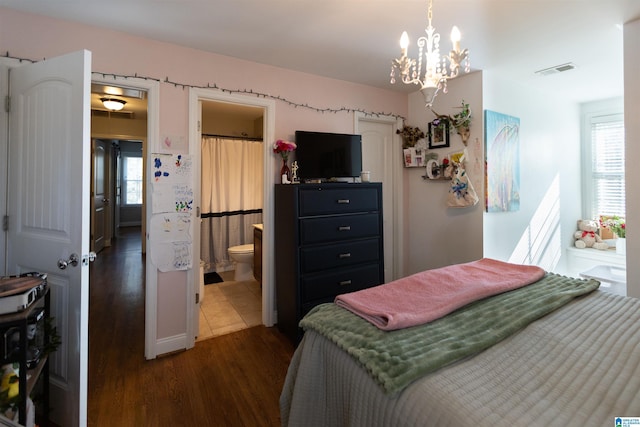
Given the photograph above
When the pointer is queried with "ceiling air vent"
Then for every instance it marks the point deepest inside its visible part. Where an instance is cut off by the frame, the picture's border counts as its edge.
(556, 69)
(113, 114)
(117, 91)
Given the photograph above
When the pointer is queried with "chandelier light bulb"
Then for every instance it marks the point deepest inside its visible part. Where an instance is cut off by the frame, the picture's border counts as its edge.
(455, 38)
(404, 42)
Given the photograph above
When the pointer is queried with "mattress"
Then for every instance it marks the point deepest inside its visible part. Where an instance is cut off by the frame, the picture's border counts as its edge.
(577, 366)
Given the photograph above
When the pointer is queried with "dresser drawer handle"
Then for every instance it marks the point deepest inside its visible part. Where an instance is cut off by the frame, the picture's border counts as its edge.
(344, 283)
(347, 255)
(344, 228)
(343, 201)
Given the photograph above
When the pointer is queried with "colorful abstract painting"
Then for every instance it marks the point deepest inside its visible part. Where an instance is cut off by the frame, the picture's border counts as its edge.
(502, 151)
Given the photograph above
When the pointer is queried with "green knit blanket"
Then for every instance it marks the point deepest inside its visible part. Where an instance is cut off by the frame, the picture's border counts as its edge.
(396, 358)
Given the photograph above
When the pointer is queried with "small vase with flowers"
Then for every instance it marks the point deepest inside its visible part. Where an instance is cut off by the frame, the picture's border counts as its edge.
(284, 148)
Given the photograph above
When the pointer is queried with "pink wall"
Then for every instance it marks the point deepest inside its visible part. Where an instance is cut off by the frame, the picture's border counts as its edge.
(34, 37)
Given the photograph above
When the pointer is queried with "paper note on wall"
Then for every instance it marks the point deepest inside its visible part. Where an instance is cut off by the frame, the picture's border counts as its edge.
(171, 256)
(172, 198)
(170, 227)
(173, 144)
(170, 241)
(170, 168)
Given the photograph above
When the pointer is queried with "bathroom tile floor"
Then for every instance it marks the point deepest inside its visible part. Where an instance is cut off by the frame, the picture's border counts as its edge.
(229, 306)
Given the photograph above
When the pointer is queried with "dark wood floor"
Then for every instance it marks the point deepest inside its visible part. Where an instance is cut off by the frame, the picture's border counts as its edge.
(232, 380)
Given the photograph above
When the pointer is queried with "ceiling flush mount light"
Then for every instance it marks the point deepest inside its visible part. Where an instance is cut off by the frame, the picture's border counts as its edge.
(436, 69)
(113, 104)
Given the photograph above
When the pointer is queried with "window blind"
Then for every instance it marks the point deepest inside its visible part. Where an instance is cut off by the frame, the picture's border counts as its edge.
(607, 166)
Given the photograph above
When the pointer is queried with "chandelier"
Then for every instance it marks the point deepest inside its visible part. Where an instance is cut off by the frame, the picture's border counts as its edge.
(436, 69)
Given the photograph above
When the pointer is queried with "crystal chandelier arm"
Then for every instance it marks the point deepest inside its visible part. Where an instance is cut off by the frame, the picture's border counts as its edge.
(403, 66)
(455, 59)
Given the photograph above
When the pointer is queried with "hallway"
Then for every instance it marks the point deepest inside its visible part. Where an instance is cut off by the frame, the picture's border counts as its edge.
(231, 380)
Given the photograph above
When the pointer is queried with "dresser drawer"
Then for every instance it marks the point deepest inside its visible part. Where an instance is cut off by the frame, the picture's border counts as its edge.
(340, 281)
(316, 258)
(324, 201)
(327, 229)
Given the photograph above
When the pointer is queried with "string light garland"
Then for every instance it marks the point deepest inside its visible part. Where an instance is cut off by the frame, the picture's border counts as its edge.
(236, 91)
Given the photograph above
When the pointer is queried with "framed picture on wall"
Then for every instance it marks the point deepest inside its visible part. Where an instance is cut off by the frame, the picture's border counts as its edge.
(439, 133)
(413, 157)
(502, 160)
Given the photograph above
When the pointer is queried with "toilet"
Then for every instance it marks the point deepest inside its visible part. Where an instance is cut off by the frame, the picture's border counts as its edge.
(242, 256)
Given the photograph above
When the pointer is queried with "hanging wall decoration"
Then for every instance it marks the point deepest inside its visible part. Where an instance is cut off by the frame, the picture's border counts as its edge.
(462, 122)
(461, 193)
(502, 151)
(410, 136)
(439, 133)
(413, 146)
(414, 157)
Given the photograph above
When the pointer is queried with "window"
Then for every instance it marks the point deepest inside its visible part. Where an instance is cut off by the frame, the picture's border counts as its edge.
(131, 180)
(604, 176)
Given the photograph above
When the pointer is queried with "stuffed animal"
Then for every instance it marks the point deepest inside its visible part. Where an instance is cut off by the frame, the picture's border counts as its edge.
(586, 236)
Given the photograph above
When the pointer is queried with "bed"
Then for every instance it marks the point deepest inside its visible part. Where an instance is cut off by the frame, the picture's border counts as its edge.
(574, 364)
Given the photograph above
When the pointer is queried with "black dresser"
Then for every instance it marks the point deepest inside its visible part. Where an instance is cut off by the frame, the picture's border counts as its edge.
(328, 241)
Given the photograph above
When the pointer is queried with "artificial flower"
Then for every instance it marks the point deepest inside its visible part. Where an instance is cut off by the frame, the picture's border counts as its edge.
(284, 148)
(615, 224)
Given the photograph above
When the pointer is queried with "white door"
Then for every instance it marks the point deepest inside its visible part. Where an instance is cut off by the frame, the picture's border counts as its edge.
(48, 206)
(380, 158)
(99, 194)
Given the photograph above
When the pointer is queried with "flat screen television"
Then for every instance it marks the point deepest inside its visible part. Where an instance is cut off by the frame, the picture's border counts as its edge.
(326, 156)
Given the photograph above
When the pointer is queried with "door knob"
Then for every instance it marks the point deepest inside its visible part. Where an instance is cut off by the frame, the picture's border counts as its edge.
(74, 259)
(64, 263)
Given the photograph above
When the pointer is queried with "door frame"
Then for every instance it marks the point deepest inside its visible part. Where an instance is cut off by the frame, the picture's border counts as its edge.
(393, 162)
(5, 64)
(196, 95)
(152, 87)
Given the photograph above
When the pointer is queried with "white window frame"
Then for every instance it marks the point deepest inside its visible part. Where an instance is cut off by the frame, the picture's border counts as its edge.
(607, 110)
(123, 182)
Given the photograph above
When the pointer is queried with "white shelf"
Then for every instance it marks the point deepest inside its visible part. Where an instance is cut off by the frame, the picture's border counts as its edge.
(588, 262)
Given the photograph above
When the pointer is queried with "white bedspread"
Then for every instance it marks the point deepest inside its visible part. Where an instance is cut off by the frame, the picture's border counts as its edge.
(578, 366)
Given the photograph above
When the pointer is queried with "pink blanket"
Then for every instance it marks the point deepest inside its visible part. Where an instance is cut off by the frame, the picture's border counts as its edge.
(431, 294)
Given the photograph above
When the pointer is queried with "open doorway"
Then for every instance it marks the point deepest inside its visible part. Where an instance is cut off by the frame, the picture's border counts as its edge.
(119, 131)
(197, 97)
(232, 163)
(147, 107)
(117, 190)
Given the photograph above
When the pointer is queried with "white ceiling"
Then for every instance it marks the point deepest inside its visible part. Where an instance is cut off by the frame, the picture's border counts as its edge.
(355, 40)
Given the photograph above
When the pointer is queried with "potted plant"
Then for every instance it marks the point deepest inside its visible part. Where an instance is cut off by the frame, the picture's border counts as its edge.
(410, 136)
(462, 121)
(617, 225)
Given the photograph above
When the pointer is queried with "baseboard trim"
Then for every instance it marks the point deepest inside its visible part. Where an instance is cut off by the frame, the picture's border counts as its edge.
(130, 224)
(171, 344)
